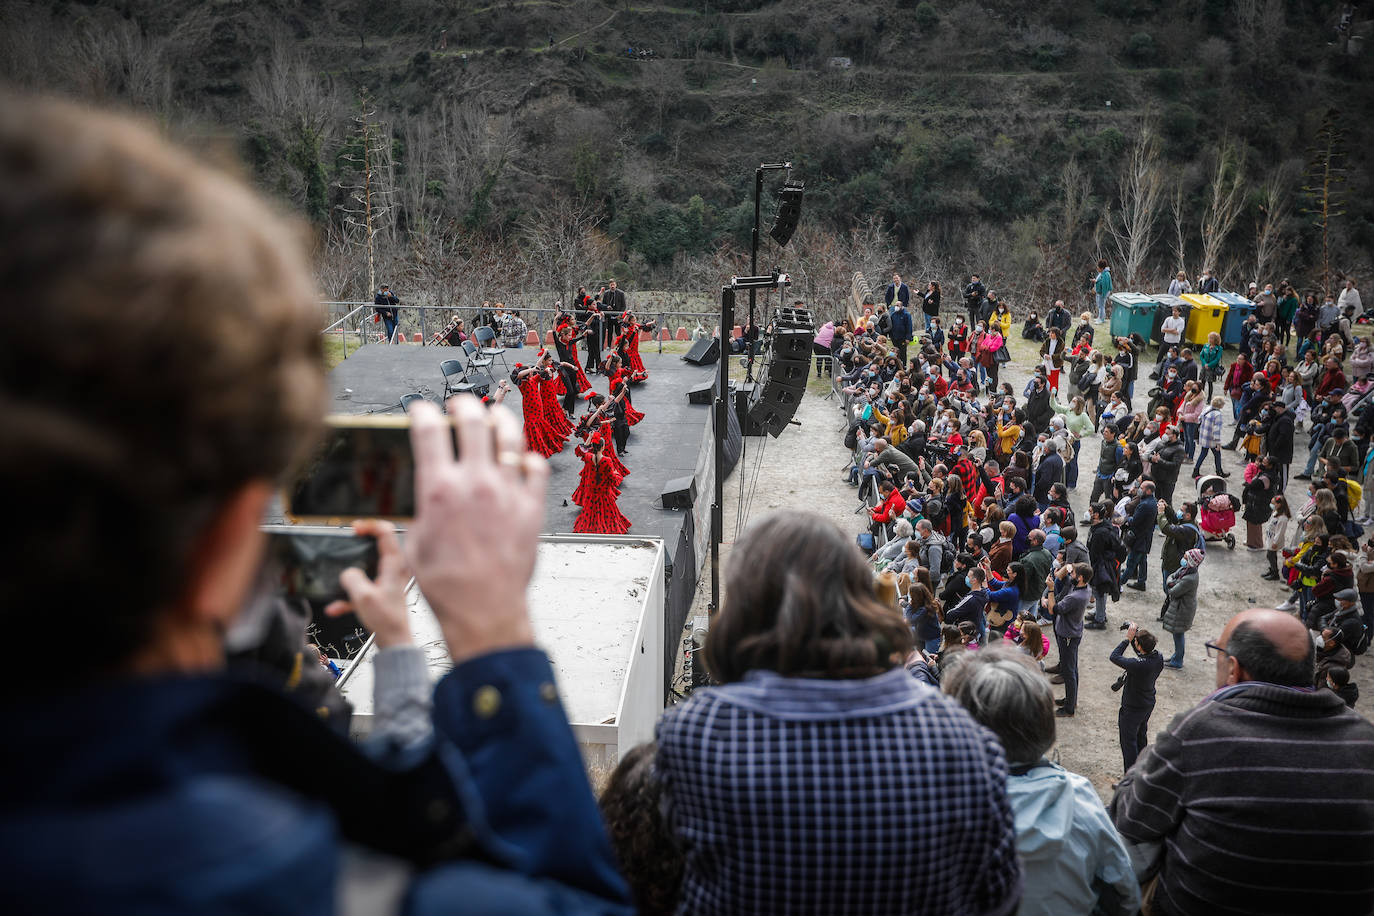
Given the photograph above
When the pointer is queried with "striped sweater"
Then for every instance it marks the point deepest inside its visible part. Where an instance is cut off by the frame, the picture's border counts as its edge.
(1263, 798)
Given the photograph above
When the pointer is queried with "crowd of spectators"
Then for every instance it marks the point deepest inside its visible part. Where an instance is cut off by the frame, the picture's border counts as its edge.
(822, 772)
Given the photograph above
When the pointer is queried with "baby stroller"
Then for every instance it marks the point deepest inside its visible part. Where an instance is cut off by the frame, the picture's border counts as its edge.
(1216, 510)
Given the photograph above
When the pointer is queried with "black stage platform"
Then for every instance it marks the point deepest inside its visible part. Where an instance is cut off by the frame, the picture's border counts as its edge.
(673, 440)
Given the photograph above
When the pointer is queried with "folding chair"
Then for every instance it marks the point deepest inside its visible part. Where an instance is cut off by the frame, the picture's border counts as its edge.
(408, 399)
(459, 380)
(486, 340)
(475, 358)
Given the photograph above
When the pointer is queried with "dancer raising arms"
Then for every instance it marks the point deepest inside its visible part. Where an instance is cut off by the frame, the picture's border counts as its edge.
(600, 514)
(539, 436)
(627, 344)
(621, 378)
(565, 340)
(608, 416)
(550, 386)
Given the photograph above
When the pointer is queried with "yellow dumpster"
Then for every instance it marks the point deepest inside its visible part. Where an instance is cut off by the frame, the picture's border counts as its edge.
(1206, 316)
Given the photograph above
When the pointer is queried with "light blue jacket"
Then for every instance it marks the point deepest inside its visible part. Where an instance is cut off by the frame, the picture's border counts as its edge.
(1071, 854)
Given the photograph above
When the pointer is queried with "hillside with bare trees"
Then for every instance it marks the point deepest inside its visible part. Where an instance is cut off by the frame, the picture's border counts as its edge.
(539, 144)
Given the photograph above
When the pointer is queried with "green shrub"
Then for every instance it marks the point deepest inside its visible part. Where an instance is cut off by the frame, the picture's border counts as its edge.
(1179, 123)
(926, 16)
(1141, 47)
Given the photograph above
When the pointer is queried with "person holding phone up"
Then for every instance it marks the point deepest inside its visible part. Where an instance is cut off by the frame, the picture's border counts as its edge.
(140, 490)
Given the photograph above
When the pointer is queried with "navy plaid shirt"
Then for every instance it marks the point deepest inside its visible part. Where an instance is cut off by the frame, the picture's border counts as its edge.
(796, 795)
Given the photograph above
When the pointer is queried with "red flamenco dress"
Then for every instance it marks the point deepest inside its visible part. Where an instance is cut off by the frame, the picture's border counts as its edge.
(630, 350)
(587, 479)
(608, 436)
(600, 514)
(539, 438)
(622, 377)
(554, 416)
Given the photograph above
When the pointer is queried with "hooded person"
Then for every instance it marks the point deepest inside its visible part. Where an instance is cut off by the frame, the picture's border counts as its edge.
(1072, 859)
(1181, 606)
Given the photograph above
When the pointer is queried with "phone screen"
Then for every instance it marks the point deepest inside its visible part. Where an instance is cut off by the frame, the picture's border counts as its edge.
(304, 562)
(362, 469)
(302, 566)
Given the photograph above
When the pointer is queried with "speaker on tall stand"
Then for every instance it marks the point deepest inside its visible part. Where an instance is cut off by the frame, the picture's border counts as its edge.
(773, 401)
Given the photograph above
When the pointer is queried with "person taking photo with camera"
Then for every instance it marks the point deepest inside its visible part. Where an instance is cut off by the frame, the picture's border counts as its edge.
(1137, 686)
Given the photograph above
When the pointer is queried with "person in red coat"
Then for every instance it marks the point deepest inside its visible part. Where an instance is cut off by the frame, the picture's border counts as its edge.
(600, 514)
(892, 505)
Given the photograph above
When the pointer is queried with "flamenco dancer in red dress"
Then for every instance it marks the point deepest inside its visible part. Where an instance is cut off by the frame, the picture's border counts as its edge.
(539, 436)
(601, 486)
(607, 417)
(627, 345)
(565, 339)
(620, 379)
(550, 386)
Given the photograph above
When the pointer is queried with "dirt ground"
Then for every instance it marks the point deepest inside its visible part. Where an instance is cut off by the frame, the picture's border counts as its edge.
(804, 467)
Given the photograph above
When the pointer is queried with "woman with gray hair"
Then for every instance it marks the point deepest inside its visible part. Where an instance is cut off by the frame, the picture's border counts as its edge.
(892, 550)
(1072, 858)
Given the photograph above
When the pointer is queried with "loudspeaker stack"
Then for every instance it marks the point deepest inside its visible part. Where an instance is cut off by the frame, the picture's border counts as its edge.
(773, 403)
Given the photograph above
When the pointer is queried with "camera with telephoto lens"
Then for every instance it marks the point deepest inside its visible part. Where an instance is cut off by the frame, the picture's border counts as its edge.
(1125, 626)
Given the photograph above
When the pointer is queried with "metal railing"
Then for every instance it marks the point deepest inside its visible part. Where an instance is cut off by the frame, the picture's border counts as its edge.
(417, 318)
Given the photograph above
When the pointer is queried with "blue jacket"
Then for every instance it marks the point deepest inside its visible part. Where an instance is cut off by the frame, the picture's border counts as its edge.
(208, 795)
(901, 325)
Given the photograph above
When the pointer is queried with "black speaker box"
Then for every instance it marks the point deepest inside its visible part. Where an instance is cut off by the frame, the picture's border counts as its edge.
(792, 343)
(772, 408)
(792, 373)
(680, 493)
(744, 394)
(704, 393)
(789, 212)
(704, 352)
(793, 317)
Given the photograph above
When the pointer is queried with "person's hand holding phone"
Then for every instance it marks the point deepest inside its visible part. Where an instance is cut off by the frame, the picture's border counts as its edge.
(379, 603)
(472, 546)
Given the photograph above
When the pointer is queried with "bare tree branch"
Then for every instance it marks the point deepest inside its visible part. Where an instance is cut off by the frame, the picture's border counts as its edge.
(1224, 204)
(1133, 224)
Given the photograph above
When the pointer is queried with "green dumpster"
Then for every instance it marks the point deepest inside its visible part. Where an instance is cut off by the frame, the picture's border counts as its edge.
(1167, 304)
(1132, 313)
(1207, 316)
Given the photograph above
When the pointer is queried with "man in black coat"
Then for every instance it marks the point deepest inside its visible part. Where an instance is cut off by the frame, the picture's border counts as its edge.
(1059, 317)
(612, 307)
(1139, 535)
(1137, 687)
(1038, 408)
(973, 299)
(384, 304)
(1104, 557)
(1165, 462)
(1049, 473)
(1278, 437)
